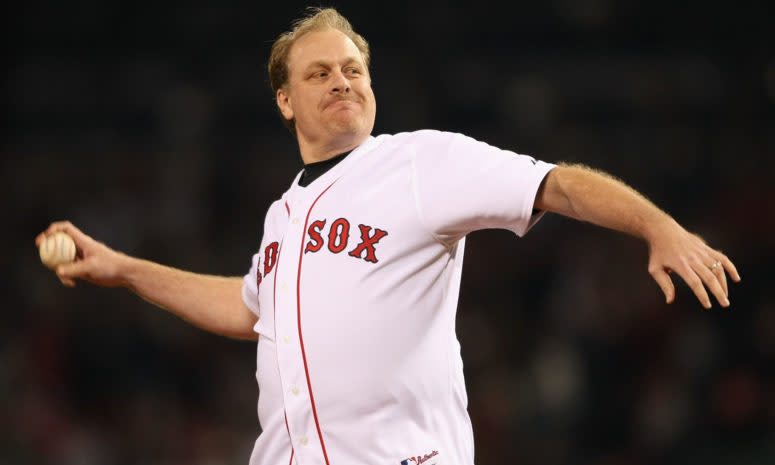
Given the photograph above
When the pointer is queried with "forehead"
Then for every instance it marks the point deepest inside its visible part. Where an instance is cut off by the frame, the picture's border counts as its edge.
(329, 45)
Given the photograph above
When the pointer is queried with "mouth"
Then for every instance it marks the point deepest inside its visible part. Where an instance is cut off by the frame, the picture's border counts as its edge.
(343, 103)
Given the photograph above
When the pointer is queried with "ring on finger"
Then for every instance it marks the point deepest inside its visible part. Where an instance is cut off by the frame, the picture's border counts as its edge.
(715, 265)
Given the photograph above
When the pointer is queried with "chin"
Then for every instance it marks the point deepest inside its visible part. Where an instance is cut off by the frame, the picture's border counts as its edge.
(348, 126)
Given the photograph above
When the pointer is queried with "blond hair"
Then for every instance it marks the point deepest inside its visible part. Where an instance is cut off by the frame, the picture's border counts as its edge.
(317, 19)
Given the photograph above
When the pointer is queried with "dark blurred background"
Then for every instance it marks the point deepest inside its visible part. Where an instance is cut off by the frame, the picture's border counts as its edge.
(151, 126)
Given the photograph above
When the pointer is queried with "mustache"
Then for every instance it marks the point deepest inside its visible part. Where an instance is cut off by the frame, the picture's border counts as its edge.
(337, 99)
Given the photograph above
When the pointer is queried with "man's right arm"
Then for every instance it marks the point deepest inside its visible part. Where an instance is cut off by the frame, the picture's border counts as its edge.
(213, 303)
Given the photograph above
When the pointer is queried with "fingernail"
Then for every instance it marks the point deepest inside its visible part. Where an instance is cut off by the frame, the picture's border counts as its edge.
(726, 302)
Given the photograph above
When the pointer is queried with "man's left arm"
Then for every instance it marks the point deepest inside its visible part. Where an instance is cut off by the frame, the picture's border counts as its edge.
(588, 195)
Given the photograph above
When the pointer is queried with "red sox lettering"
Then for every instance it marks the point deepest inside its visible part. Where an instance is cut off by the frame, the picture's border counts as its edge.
(340, 230)
(316, 241)
(270, 258)
(338, 238)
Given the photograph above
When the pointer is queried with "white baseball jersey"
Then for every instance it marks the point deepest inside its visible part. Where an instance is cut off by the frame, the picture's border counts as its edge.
(356, 287)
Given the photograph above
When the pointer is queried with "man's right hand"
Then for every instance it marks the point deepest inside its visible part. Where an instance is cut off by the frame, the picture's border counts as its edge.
(94, 261)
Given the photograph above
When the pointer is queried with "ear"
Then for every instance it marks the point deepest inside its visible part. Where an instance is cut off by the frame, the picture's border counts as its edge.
(284, 104)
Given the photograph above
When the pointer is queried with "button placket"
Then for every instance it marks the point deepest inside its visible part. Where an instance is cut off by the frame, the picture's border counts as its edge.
(298, 408)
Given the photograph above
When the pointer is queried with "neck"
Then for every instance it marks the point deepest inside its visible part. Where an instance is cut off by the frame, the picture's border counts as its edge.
(317, 152)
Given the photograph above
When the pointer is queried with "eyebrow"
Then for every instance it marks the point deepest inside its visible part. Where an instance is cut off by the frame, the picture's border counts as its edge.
(326, 64)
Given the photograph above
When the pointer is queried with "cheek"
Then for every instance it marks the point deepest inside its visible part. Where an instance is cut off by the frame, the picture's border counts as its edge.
(372, 102)
(304, 102)
(308, 111)
(368, 95)
(371, 95)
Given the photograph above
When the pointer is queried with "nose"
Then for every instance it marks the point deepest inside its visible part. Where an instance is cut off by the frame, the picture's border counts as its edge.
(339, 83)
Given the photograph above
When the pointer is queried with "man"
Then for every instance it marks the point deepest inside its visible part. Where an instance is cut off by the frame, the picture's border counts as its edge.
(353, 292)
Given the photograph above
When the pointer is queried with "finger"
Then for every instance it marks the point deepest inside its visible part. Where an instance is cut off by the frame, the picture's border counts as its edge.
(729, 266)
(81, 240)
(71, 271)
(664, 281)
(694, 282)
(56, 226)
(67, 282)
(722, 278)
(67, 227)
(711, 280)
(718, 270)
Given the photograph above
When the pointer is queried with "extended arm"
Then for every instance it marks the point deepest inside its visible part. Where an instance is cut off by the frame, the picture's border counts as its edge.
(584, 194)
(213, 303)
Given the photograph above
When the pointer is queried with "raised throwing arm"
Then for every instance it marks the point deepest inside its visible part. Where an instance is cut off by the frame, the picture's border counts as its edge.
(589, 195)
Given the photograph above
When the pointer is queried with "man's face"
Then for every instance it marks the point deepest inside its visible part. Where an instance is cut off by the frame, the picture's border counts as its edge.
(328, 93)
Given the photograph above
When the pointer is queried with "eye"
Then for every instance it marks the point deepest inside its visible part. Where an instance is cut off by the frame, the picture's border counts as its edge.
(320, 74)
(353, 71)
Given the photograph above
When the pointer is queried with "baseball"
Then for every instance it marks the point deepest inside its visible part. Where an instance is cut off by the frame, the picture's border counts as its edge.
(57, 249)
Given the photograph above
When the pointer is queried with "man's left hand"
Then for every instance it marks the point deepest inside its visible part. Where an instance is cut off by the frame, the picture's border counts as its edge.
(673, 249)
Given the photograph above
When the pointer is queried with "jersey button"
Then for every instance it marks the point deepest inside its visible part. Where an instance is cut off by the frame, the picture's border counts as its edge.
(304, 441)
(286, 339)
(295, 390)
(283, 287)
(295, 221)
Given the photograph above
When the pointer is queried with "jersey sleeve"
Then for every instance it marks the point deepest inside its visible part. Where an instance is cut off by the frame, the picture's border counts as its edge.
(252, 279)
(250, 287)
(463, 185)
